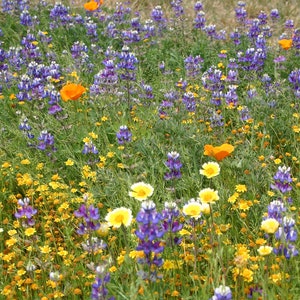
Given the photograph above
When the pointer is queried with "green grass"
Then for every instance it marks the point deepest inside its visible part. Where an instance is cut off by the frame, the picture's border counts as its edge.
(219, 247)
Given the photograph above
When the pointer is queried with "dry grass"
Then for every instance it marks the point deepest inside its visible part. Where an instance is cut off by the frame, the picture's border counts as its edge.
(220, 12)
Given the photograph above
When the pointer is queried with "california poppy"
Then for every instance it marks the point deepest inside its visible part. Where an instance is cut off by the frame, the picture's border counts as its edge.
(285, 44)
(92, 5)
(71, 91)
(218, 152)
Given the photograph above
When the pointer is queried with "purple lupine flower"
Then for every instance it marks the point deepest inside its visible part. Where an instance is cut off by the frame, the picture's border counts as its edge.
(89, 148)
(149, 232)
(188, 99)
(212, 79)
(276, 209)
(222, 293)
(216, 119)
(157, 15)
(244, 113)
(174, 164)
(241, 13)
(198, 6)
(127, 64)
(90, 216)
(106, 80)
(193, 65)
(296, 39)
(177, 8)
(25, 212)
(289, 24)
(254, 29)
(26, 128)
(46, 142)
(171, 222)
(282, 180)
(124, 135)
(99, 290)
(274, 15)
(287, 232)
(200, 20)
(231, 97)
(294, 79)
(232, 76)
(130, 36)
(168, 102)
(25, 18)
(91, 30)
(262, 17)
(149, 29)
(147, 91)
(59, 16)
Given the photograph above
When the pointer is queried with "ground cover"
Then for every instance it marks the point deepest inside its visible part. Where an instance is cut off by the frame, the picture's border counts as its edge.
(149, 150)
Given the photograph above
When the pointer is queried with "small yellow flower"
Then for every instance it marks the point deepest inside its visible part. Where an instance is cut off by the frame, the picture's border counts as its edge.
(12, 232)
(93, 135)
(69, 162)
(45, 249)
(296, 128)
(232, 199)
(112, 269)
(110, 154)
(6, 165)
(269, 225)
(141, 191)
(55, 177)
(168, 264)
(241, 188)
(118, 217)
(210, 169)
(264, 250)
(30, 231)
(277, 161)
(208, 195)
(25, 162)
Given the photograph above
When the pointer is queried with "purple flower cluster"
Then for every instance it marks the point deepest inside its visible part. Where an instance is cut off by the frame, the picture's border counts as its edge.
(167, 103)
(286, 234)
(46, 142)
(188, 99)
(127, 64)
(26, 128)
(294, 79)
(282, 180)
(59, 16)
(222, 293)
(106, 80)
(174, 164)
(171, 222)
(149, 233)
(90, 216)
(212, 81)
(99, 289)
(123, 135)
(193, 65)
(25, 212)
(89, 148)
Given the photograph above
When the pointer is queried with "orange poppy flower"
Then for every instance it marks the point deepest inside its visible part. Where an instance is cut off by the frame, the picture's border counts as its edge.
(71, 91)
(218, 152)
(92, 5)
(285, 44)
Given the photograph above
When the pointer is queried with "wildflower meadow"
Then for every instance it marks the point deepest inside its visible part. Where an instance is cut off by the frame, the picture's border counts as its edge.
(149, 151)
